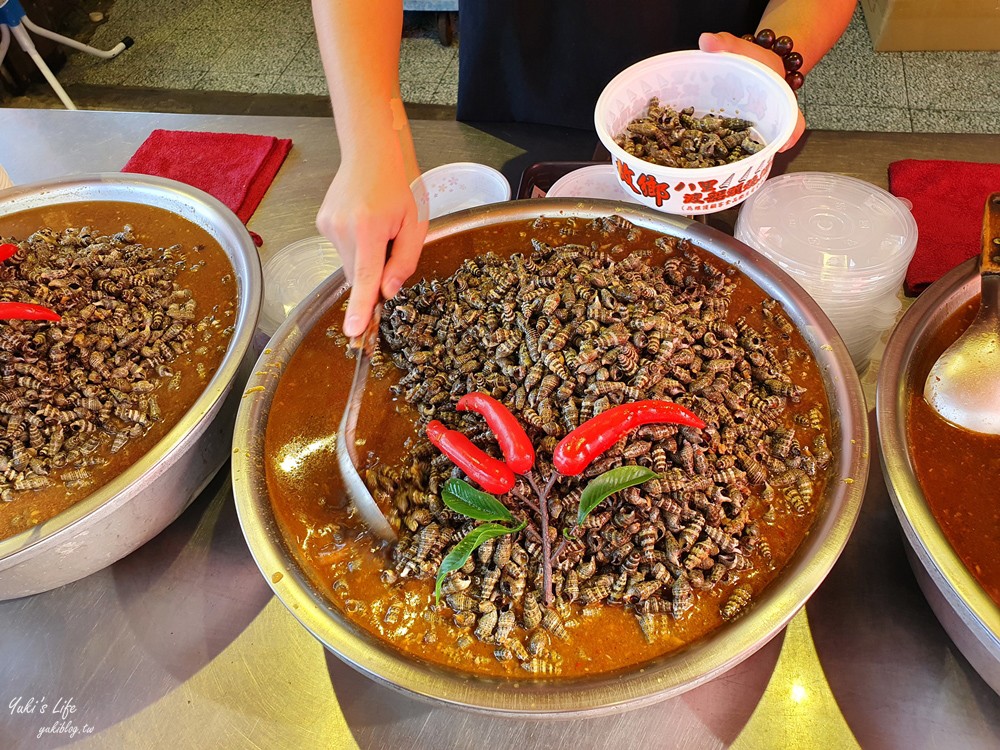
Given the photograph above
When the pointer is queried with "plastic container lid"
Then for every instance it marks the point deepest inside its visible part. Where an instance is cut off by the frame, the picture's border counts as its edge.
(597, 181)
(290, 274)
(846, 241)
(838, 228)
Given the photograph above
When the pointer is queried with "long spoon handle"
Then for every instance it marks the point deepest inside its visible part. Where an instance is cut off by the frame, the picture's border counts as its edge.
(989, 261)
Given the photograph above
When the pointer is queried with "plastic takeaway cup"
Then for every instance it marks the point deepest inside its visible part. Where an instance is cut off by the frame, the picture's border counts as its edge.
(721, 83)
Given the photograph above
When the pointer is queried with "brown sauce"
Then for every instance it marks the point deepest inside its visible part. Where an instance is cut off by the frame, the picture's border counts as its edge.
(346, 564)
(207, 273)
(957, 468)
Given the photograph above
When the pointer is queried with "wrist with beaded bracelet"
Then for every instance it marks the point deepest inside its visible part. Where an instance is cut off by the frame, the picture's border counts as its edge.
(782, 46)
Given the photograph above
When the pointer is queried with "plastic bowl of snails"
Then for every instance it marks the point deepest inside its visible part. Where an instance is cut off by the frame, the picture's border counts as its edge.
(694, 132)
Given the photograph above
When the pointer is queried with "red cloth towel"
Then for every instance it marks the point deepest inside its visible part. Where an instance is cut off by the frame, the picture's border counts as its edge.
(234, 167)
(948, 199)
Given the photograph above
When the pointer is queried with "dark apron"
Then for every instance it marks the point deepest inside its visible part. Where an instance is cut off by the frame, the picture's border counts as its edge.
(546, 61)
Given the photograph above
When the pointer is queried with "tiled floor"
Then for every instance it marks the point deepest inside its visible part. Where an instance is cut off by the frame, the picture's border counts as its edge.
(232, 45)
(236, 46)
(855, 88)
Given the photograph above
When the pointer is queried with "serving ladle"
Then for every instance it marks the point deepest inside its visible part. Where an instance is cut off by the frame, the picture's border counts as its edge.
(963, 386)
(347, 458)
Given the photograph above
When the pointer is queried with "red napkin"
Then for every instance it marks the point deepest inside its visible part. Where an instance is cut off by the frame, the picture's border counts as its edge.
(234, 167)
(948, 199)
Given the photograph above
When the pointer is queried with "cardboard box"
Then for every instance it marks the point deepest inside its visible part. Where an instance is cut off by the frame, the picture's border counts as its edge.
(914, 25)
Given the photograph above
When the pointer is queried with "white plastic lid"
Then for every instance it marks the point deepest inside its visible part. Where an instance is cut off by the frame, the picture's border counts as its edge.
(290, 274)
(596, 181)
(830, 225)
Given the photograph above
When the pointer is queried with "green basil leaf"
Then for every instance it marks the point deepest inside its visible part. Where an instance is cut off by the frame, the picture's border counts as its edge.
(461, 551)
(463, 498)
(609, 483)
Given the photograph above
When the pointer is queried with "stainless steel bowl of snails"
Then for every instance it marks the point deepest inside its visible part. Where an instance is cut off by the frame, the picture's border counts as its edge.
(667, 557)
(128, 309)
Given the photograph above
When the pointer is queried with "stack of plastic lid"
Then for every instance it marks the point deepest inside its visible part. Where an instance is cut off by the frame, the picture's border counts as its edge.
(290, 274)
(845, 241)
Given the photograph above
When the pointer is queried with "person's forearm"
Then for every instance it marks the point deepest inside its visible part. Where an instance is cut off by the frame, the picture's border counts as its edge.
(359, 44)
(814, 25)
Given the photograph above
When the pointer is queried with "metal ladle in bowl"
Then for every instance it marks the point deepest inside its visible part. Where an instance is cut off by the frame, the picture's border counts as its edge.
(963, 386)
(347, 458)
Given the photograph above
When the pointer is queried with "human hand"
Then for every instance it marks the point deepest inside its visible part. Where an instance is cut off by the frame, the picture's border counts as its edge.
(367, 206)
(726, 42)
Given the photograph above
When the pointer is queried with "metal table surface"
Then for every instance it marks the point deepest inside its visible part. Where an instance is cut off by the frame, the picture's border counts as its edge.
(182, 643)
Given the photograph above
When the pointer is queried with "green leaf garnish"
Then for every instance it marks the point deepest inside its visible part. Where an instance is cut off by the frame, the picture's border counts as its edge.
(609, 483)
(461, 551)
(463, 498)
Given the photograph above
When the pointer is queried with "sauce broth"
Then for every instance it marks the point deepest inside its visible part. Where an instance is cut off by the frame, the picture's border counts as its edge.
(205, 271)
(956, 467)
(348, 566)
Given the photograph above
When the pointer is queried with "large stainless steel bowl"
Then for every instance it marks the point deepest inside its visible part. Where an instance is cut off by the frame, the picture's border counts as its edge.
(665, 677)
(970, 617)
(138, 504)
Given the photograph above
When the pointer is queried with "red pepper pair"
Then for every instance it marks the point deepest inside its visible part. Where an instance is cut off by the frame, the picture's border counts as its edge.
(489, 473)
(572, 455)
(22, 310)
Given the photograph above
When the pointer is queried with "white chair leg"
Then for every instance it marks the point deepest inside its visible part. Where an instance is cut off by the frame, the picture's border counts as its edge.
(4, 41)
(29, 47)
(123, 45)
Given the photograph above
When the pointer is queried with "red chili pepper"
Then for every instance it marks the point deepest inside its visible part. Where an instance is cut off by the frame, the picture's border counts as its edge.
(578, 449)
(7, 250)
(26, 311)
(492, 475)
(513, 440)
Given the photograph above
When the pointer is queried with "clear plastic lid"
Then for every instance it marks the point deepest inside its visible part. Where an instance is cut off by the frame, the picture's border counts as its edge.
(830, 225)
(290, 274)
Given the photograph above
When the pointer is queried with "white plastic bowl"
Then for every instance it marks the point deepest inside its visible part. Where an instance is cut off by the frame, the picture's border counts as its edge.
(596, 181)
(457, 186)
(718, 82)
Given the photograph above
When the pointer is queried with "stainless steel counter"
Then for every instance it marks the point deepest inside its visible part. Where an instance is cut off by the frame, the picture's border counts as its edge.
(181, 644)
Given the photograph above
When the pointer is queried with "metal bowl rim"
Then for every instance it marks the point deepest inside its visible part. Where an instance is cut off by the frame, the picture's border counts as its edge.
(664, 677)
(195, 420)
(943, 565)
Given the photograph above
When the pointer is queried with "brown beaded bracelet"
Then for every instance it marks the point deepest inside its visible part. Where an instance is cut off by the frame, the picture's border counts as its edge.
(782, 47)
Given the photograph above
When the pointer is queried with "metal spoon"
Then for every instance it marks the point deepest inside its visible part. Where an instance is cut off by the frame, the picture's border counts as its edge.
(347, 458)
(963, 386)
